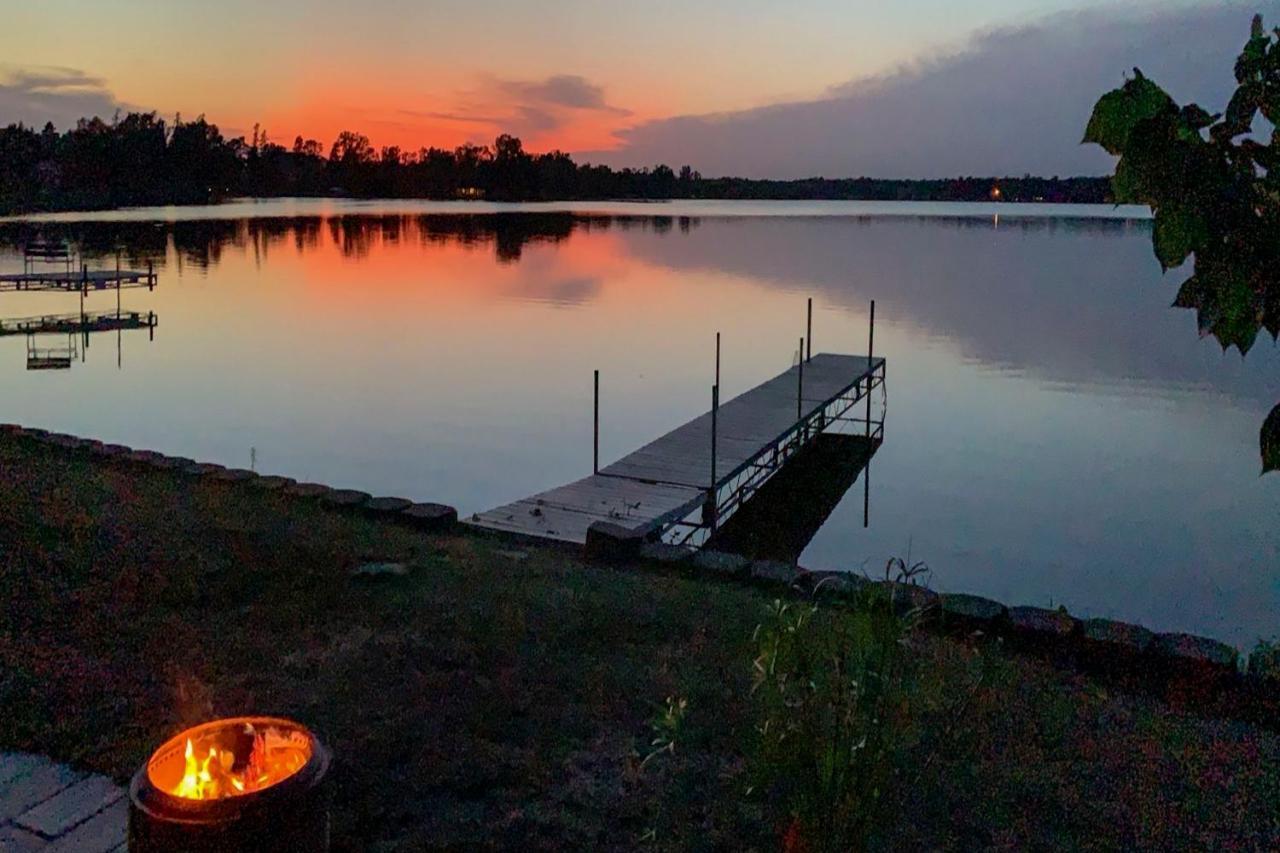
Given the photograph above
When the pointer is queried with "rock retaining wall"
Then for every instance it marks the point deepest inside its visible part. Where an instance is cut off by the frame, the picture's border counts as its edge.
(1202, 674)
(431, 517)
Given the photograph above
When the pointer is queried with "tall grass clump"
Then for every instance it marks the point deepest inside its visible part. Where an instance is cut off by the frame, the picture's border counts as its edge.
(830, 703)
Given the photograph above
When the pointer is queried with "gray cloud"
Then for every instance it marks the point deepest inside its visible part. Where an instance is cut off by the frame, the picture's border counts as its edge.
(37, 95)
(561, 90)
(1011, 101)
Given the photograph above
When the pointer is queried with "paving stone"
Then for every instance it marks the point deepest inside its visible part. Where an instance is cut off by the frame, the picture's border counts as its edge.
(721, 563)
(15, 840)
(102, 833)
(387, 504)
(306, 490)
(71, 806)
(345, 498)
(665, 552)
(37, 785)
(15, 764)
(430, 516)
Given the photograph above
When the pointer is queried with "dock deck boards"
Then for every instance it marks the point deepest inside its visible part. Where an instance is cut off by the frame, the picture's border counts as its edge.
(670, 477)
(73, 280)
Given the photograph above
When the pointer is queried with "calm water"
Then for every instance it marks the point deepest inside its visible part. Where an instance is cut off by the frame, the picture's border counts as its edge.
(1056, 433)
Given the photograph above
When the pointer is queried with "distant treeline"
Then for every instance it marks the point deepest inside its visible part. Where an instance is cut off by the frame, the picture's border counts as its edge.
(140, 159)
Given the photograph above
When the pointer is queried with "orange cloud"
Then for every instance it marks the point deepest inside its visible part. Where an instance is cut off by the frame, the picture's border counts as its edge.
(561, 111)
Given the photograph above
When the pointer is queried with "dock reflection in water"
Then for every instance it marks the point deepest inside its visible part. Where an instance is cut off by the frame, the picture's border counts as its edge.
(781, 519)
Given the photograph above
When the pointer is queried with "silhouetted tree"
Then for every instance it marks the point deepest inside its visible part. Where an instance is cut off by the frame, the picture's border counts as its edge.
(139, 159)
(1215, 193)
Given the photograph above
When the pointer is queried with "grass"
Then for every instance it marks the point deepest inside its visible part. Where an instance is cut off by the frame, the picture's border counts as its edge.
(503, 699)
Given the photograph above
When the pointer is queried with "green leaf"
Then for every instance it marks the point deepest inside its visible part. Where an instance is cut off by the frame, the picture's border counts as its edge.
(1241, 109)
(1118, 112)
(1197, 117)
(1178, 232)
(1270, 441)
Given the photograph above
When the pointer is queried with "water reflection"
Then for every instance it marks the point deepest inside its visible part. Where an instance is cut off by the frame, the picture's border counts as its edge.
(781, 519)
(1057, 437)
(202, 242)
(55, 341)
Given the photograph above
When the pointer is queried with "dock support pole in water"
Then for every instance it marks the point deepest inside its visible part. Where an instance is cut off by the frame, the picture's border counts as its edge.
(717, 359)
(151, 277)
(151, 325)
(866, 474)
(713, 501)
(595, 431)
(117, 288)
(808, 332)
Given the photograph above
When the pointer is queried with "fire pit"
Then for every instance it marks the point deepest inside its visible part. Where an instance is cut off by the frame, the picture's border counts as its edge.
(238, 784)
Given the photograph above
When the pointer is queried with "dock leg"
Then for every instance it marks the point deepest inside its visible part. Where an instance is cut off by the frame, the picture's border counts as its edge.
(871, 340)
(713, 498)
(595, 437)
(866, 473)
(808, 332)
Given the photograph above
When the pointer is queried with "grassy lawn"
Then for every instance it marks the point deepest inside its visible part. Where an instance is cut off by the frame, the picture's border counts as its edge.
(502, 697)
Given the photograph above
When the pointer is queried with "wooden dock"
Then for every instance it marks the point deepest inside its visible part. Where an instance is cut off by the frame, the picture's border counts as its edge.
(74, 281)
(674, 489)
(51, 324)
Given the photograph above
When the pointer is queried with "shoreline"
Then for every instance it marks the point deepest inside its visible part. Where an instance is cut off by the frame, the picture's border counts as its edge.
(244, 207)
(481, 693)
(1095, 646)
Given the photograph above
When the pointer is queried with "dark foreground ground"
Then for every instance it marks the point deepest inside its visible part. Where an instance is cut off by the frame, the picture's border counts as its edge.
(502, 697)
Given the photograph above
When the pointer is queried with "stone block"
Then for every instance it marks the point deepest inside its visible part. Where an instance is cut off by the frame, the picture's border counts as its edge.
(306, 490)
(609, 541)
(385, 505)
(774, 572)
(664, 552)
(431, 517)
(722, 563)
(35, 786)
(272, 483)
(70, 806)
(345, 498)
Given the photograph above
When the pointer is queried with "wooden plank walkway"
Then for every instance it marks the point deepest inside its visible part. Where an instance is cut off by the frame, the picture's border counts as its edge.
(50, 808)
(670, 478)
(74, 280)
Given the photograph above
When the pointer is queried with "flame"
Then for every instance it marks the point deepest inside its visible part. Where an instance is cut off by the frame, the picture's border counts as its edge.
(275, 756)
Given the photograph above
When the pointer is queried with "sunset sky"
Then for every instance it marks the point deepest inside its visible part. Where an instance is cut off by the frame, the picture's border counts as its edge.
(604, 78)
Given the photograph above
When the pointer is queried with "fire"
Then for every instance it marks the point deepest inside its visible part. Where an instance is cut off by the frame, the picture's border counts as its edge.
(274, 756)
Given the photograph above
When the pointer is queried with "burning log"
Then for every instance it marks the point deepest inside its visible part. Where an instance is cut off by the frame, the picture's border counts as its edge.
(238, 784)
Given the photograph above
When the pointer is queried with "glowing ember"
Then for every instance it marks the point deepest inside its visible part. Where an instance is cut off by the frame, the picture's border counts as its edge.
(273, 755)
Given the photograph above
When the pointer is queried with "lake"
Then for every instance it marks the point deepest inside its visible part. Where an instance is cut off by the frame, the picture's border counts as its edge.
(1056, 433)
